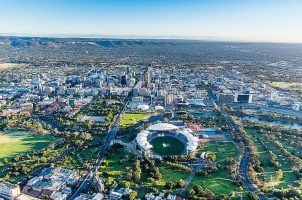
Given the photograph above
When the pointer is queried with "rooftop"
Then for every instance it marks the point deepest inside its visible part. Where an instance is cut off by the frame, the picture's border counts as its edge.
(162, 127)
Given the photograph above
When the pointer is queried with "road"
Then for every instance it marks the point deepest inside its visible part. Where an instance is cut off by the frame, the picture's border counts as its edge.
(189, 178)
(244, 162)
(283, 111)
(111, 134)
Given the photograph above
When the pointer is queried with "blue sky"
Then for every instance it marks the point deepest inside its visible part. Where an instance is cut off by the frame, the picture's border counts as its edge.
(255, 20)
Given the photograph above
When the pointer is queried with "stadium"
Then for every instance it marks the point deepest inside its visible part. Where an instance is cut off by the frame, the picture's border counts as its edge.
(165, 139)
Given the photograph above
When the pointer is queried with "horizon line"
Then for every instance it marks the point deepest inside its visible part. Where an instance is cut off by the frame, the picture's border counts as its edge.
(149, 37)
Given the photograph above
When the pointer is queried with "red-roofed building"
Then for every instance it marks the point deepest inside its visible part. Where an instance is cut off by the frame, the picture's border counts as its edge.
(194, 127)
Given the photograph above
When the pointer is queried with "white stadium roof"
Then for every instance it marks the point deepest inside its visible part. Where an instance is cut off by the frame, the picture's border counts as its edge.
(162, 127)
(142, 140)
(159, 108)
(142, 137)
(143, 107)
(197, 102)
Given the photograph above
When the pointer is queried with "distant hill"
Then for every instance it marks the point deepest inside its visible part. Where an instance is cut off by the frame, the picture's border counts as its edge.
(152, 51)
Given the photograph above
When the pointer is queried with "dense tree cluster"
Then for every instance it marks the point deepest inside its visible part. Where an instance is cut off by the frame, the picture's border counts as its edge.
(178, 166)
(198, 192)
(23, 121)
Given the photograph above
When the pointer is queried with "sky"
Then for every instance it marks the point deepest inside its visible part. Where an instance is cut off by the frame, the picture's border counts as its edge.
(242, 20)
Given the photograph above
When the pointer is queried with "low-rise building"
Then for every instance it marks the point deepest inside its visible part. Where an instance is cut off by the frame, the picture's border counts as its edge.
(9, 190)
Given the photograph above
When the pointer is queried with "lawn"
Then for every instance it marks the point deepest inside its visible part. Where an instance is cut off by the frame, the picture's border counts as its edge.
(222, 150)
(218, 182)
(4, 66)
(287, 85)
(172, 175)
(130, 119)
(167, 145)
(19, 142)
(117, 163)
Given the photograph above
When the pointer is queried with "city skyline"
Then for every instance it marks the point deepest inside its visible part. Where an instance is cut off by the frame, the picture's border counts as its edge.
(271, 21)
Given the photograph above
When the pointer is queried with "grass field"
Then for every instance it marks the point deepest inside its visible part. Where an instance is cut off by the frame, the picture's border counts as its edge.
(167, 145)
(172, 175)
(218, 182)
(222, 150)
(115, 168)
(19, 142)
(132, 118)
(4, 66)
(287, 85)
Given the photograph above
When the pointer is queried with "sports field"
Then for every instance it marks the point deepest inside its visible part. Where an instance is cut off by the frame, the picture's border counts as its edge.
(167, 145)
(19, 142)
(222, 150)
(131, 118)
(219, 182)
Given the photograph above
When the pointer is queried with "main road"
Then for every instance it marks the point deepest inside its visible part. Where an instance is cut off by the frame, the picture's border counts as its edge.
(280, 110)
(244, 162)
(111, 134)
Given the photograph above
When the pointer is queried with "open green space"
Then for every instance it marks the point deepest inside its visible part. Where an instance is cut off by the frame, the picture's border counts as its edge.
(20, 142)
(287, 85)
(219, 182)
(116, 163)
(288, 175)
(167, 145)
(130, 119)
(222, 150)
(172, 174)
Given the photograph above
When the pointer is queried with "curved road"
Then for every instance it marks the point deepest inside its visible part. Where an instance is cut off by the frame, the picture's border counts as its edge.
(244, 162)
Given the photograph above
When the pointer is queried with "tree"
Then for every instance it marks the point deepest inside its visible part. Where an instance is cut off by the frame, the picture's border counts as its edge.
(169, 185)
(180, 183)
(24, 170)
(211, 157)
(157, 173)
(87, 165)
(109, 181)
(79, 143)
(279, 174)
(43, 160)
(137, 175)
(253, 196)
(17, 158)
(132, 195)
(126, 184)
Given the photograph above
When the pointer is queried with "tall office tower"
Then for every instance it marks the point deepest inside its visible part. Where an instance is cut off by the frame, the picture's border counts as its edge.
(148, 77)
(124, 80)
(128, 70)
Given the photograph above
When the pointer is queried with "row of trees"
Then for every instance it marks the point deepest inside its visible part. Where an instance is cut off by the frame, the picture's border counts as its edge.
(178, 166)
(295, 161)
